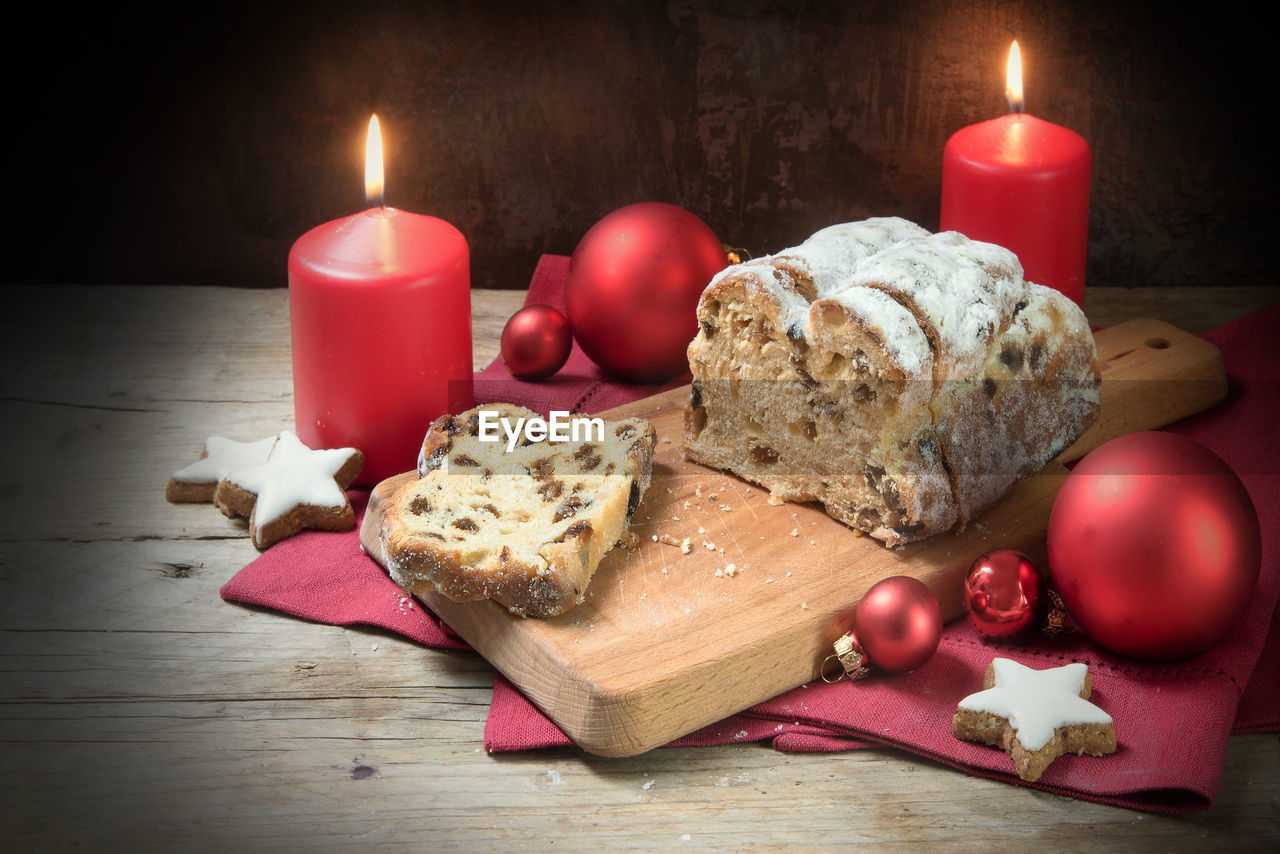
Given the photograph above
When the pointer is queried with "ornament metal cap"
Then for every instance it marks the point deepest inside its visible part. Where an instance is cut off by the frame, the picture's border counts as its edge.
(1055, 622)
(851, 657)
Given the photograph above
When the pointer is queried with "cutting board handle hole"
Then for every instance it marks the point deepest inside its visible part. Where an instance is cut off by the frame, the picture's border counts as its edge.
(1158, 343)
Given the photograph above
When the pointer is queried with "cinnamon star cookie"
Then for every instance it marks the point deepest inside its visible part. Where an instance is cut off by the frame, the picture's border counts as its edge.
(1035, 715)
(295, 488)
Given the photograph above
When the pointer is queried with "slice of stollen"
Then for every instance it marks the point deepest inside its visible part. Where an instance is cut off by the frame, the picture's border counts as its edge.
(495, 514)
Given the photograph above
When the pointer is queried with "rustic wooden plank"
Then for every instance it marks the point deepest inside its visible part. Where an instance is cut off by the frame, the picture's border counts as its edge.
(1196, 310)
(139, 711)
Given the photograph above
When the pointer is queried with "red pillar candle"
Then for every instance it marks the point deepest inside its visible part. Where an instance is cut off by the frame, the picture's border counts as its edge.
(380, 310)
(1023, 183)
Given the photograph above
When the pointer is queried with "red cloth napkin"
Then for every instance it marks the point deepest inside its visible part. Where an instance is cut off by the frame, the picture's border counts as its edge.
(1172, 720)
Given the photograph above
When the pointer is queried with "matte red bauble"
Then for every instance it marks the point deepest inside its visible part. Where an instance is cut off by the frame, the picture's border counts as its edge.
(1154, 546)
(536, 342)
(899, 624)
(632, 289)
(1005, 594)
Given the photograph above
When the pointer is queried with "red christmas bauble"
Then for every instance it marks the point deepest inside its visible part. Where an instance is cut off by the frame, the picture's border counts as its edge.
(536, 342)
(1154, 546)
(633, 285)
(1005, 594)
(899, 624)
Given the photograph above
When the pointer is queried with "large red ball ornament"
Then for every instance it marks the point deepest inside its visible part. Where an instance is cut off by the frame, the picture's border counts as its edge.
(536, 342)
(899, 624)
(633, 285)
(1005, 595)
(1154, 546)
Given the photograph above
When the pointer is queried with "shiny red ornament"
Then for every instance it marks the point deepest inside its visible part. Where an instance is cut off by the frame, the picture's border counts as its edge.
(1005, 594)
(632, 289)
(536, 342)
(1154, 546)
(898, 623)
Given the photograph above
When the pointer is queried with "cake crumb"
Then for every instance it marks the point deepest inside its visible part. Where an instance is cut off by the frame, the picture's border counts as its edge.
(685, 546)
(730, 569)
(795, 532)
(710, 546)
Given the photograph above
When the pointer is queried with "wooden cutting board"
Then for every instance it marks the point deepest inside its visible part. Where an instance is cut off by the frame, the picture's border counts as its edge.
(668, 642)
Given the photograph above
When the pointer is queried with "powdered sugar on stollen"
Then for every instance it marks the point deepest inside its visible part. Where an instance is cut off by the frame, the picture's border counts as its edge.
(903, 340)
(760, 273)
(964, 289)
(829, 254)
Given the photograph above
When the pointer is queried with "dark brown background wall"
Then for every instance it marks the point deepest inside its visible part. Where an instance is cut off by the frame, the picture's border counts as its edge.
(145, 147)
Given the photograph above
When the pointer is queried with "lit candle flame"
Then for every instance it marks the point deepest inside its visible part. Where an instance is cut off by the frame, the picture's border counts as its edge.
(1013, 79)
(373, 183)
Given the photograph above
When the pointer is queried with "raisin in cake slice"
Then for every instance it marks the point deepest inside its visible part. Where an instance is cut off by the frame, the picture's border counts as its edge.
(905, 380)
(526, 527)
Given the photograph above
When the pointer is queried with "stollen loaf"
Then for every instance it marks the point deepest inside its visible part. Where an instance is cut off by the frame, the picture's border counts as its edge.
(905, 380)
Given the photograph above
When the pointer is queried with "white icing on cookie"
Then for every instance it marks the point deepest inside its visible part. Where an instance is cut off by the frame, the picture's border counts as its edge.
(223, 456)
(1036, 702)
(292, 476)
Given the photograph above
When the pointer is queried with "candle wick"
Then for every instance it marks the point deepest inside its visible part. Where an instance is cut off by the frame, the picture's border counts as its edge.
(1015, 106)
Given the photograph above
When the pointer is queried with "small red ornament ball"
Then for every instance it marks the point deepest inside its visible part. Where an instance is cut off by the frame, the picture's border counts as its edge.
(632, 289)
(899, 624)
(536, 342)
(1005, 594)
(1154, 546)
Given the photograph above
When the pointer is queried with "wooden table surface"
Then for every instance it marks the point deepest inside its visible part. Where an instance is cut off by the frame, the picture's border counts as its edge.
(139, 709)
